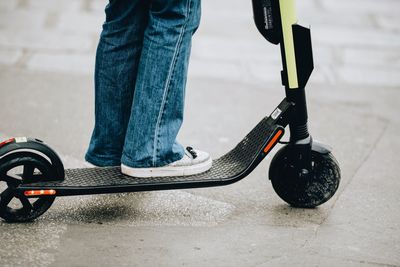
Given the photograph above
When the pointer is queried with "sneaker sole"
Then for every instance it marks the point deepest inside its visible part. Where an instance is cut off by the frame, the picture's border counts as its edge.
(167, 171)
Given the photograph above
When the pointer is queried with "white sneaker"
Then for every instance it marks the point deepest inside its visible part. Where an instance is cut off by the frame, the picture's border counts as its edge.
(193, 162)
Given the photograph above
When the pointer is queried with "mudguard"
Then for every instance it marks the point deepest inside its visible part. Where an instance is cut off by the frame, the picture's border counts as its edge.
(20, 144)
(321, 148)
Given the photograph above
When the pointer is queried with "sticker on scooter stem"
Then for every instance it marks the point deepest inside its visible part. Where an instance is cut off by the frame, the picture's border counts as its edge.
(277, 112)
(268, 17)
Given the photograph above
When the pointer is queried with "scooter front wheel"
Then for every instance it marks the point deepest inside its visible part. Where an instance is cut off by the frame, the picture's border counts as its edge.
(16, 169)
(304, 190)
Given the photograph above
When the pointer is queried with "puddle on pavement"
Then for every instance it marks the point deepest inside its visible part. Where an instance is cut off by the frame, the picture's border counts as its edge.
(173, 207)
(146, 208)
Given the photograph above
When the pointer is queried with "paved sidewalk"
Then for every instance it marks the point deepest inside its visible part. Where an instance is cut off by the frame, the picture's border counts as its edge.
(47, 51)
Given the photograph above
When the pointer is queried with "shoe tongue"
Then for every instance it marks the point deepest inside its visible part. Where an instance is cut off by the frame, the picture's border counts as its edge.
(190, 152)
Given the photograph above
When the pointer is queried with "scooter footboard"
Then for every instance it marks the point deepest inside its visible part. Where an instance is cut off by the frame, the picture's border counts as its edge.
(229, 168)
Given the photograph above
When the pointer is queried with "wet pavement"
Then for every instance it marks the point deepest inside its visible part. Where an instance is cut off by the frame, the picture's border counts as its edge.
(46, 91)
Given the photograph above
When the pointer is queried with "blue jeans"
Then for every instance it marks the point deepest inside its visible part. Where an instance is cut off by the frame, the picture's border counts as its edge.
(140, 78)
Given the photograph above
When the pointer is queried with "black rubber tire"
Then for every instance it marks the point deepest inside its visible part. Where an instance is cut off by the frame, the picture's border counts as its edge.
(309, 191)
(28, 212)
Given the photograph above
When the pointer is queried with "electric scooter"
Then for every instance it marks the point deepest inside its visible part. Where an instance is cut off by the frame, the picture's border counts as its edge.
(304, 173)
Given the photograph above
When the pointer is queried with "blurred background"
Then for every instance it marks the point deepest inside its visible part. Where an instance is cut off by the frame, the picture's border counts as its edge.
(47, 52)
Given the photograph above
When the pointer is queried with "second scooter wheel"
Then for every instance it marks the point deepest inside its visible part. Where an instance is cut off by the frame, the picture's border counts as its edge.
(16, 169)
(304, 191)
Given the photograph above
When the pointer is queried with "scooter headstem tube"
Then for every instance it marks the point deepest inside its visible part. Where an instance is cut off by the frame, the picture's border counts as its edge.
(289, 18)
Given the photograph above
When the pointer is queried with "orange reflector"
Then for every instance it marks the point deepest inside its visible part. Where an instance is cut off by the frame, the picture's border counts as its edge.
(31, 193)
(273, 141)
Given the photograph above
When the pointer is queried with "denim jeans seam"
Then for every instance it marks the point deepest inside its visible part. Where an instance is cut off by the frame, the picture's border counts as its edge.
(167, 84)
(143, 84)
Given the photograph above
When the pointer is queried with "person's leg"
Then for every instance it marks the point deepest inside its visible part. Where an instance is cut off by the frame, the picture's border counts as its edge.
(117, 58)
(157, 110)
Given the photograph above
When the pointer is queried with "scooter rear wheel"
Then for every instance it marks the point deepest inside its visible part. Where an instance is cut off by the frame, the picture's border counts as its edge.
(304, 190)
(16, 169)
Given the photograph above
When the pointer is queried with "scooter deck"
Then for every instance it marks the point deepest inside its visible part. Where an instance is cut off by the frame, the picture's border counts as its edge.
(231, 167)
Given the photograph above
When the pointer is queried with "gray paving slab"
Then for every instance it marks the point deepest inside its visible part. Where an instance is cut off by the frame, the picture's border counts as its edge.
(10, 56)
(46, 90)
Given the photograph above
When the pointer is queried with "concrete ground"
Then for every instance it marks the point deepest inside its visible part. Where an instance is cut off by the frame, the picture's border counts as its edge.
(46, 90)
